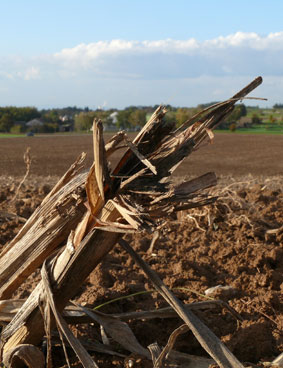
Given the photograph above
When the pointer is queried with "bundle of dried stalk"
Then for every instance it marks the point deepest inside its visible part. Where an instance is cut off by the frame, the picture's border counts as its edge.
(137, 195)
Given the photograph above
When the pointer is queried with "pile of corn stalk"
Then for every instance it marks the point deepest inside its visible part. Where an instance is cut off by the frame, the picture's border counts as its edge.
(84, 217)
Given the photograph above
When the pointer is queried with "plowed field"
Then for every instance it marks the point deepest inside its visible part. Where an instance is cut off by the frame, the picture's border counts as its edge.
(236, 242)
(230, 154)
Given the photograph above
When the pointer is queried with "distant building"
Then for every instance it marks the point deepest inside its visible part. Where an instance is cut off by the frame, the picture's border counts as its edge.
(65, 118)
(34, 123)
(111, 123)
(113, 117)
(244, 122)
(65, 128)
(110, 127)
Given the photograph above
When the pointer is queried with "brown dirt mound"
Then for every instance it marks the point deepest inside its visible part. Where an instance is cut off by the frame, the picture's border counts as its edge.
(236, 242)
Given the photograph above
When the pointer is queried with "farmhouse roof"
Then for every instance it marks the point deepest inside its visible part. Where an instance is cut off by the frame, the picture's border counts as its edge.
(34, 122)
(64, 118)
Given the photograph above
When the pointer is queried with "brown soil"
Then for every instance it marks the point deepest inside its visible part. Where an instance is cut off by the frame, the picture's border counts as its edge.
(230, 154)
(228, 243)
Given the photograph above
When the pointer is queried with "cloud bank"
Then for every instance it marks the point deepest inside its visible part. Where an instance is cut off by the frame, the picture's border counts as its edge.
(239, 53)
(146, 69)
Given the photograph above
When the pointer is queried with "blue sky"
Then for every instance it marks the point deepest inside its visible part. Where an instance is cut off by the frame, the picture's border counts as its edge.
(117, 53)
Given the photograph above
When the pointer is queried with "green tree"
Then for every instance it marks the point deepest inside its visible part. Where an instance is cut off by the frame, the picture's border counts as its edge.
(6, 122)
(83, 121)
(256, 119)
(239, 111)
(182, 115)
(137, 118)
(16, 129)
(102, 115)
(278, 106)
(50, 127)
(123, 119)
(170, 118)
(20, 113)
(232, 127)
(52, 116)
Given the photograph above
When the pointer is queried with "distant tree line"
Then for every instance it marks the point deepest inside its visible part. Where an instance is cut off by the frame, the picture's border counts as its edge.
(238, 112)
(14, 119)
(9, 116)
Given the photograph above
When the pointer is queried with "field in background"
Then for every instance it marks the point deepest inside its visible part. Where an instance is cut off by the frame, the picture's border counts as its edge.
(229, 154)
(256, 129)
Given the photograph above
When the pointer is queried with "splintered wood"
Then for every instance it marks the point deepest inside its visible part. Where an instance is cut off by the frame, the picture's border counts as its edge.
(87, 214)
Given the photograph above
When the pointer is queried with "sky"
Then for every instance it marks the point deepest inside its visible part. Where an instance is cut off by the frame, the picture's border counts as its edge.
(117, 53)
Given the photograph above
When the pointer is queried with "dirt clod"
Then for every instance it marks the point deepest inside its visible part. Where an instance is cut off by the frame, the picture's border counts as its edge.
(230, 251)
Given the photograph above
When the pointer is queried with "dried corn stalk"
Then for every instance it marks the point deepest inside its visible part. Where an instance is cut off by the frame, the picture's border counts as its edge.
(136, 195)
(46, 229)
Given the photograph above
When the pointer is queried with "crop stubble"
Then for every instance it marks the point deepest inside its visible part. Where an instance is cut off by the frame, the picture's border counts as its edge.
(235, 248)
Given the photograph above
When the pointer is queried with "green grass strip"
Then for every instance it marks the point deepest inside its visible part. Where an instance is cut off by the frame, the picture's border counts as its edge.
(9, 135)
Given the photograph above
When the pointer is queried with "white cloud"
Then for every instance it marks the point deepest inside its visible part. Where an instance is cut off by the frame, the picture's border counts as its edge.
(31, 73)
(13, 68)
(239, 53)
(235, 54)
(140, 72)
(92, 51)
